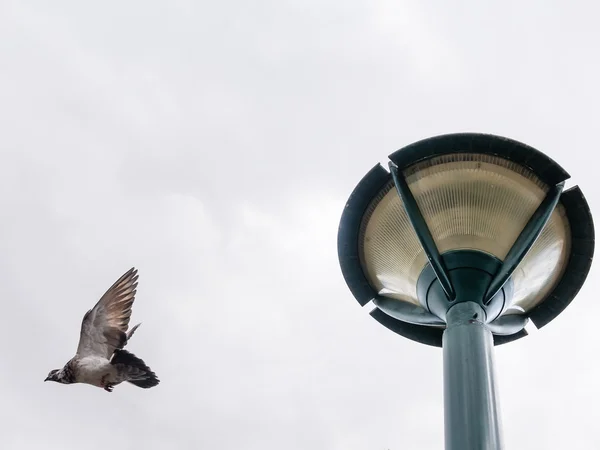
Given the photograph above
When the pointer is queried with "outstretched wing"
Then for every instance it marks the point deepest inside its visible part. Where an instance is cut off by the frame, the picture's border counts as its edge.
(104, 326)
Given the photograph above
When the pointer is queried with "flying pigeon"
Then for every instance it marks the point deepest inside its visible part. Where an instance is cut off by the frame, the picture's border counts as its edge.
(100, 359)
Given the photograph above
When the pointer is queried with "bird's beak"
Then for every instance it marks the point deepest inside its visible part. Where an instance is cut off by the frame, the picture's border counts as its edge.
(47, 378)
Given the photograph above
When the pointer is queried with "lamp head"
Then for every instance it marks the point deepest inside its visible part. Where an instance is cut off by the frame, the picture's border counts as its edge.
(488, 213)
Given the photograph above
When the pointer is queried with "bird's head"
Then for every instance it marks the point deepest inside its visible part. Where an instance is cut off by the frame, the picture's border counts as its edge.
(56, 375)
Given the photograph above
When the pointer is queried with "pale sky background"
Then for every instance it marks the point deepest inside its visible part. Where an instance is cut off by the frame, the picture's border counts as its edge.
(213, 146)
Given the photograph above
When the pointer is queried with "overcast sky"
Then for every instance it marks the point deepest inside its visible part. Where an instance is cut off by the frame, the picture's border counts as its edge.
(213, 146)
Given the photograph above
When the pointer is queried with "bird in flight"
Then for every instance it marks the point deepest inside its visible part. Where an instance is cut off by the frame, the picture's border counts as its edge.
(100, 359)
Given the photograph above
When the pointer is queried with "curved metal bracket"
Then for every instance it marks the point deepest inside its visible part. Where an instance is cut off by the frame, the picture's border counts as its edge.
(525, 240)
(422, 231)
(407, 312)
(509, 324)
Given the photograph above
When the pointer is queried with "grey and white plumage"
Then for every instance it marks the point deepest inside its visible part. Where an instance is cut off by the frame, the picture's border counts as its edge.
(100, 359)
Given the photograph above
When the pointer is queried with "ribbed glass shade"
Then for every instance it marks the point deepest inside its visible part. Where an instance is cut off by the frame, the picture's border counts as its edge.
(469, 201)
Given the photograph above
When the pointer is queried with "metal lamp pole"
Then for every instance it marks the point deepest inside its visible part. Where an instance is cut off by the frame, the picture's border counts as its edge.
(471, 411)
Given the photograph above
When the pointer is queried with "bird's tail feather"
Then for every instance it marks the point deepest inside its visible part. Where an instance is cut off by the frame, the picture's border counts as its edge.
(133, 369)
(130, 332)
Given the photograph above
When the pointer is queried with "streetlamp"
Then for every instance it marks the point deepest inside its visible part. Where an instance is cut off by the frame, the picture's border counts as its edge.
(464, 240)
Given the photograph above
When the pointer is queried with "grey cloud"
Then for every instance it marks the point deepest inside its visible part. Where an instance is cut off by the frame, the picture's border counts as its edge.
(213, 146)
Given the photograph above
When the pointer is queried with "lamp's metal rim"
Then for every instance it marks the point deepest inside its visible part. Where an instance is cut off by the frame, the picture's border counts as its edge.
(548, 170)
(579, 262)
(429, 335)
(576, 207)
(349, 229)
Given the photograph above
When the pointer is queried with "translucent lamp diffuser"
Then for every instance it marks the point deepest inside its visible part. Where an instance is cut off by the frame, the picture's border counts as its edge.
(469, 201)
